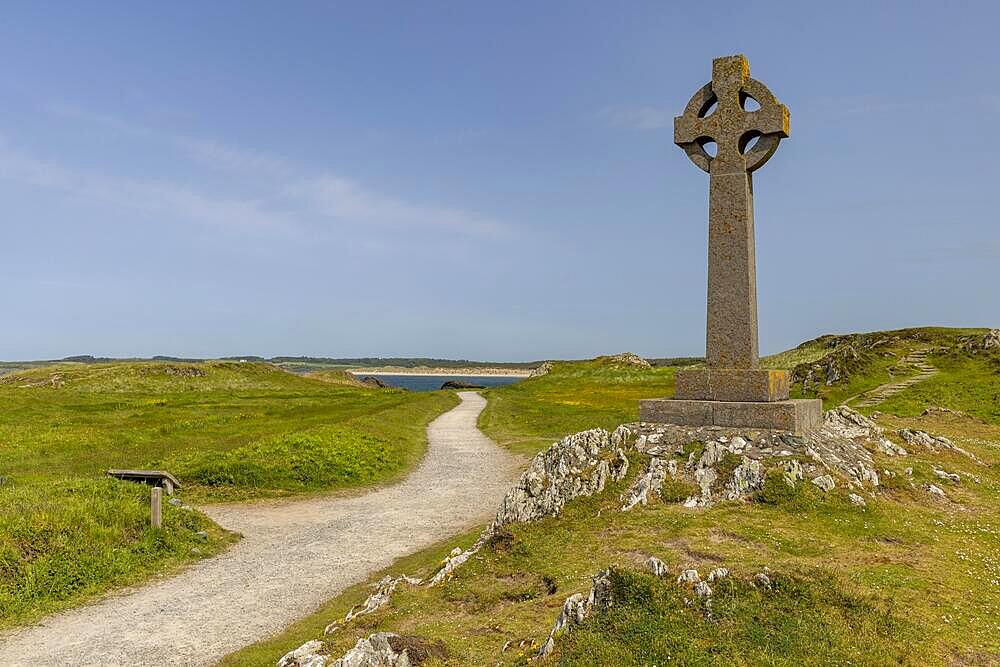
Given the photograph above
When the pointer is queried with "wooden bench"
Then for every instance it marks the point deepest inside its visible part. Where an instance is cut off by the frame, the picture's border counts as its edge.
(160, 478)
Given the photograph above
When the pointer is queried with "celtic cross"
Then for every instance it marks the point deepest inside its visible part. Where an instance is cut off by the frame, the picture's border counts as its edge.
(732, 391)
(745, 139)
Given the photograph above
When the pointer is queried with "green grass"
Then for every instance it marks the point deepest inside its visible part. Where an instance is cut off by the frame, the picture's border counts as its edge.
(650, 623)
(229, 431)
(969, 383)
(530, 415)
(72, 539)
(906, 580)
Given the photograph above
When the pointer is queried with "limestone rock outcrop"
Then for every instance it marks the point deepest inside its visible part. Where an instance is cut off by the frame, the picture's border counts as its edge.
(382, 649)
(544, 369)
(383, 593)
(577, 608)
(626, 359)
(934, 443)
(578, 465)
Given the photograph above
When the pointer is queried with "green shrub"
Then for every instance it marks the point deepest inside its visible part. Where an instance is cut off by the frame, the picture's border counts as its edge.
(325, 457)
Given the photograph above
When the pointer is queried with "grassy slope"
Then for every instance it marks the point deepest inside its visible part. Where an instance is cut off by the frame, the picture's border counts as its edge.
(529, 415)
(905, 580)
(229, 431)
(883, 364)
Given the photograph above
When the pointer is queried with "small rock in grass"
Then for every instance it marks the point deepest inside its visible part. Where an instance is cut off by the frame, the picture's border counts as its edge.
(857, 500)
(943, 474)
(936, 491)
(656, 566)
(202, 534)
(702, 590)
(688, 577)
(909, 472)
(761, 580)
(718, 573)
(307, 655)
(176, 502)
(196, 551)
(824, 482)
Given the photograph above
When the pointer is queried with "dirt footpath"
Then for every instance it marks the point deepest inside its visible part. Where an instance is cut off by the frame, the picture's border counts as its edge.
(294, 556)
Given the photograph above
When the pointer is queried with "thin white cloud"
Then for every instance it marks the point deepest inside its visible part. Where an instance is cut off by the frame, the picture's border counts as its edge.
(141, 196)
(337, 198)
(315, 197)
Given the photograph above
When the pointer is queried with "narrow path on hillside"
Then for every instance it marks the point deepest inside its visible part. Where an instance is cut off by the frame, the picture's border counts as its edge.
(294, 556)
(877, 395)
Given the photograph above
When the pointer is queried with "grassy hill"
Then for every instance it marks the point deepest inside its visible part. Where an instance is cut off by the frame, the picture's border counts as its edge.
(910, 578)
(228, 431)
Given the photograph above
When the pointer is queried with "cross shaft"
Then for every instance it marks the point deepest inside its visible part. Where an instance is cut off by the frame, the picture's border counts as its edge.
(731, 337)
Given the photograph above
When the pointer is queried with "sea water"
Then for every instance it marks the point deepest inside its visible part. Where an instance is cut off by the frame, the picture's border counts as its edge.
(432, 382)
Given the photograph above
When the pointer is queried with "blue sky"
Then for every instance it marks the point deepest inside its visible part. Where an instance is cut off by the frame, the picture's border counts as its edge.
(479, 180)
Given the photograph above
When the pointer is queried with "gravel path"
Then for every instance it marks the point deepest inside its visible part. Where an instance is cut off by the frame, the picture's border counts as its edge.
(294, 556)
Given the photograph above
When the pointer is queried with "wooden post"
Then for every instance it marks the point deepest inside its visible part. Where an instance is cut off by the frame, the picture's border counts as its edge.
(156, 507)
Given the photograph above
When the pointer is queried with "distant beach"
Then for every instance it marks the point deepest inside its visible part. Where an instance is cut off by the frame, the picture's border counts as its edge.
(443, 372)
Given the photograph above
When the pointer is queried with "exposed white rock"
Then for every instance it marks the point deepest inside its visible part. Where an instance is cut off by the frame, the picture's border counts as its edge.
(824, 482)
(857, 500)
(793, 472)
(374, 651)
(578, 465)
(712, 454)
(991, 340)
(950, 476)
(656, 566)
(627, 359)
(383, 593)
(646, 485)
(936, 490)
(852, 424)
(717, 574)
(934, 442)
(688, 577)
(577, 608)
(866, 474)
(307, 655)
(544, 369)
(702, 590)
(456, 558)
(761, 580)
(747, 477)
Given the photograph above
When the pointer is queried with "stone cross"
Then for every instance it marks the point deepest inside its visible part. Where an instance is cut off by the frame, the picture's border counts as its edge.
(745, 140)
(745, 122)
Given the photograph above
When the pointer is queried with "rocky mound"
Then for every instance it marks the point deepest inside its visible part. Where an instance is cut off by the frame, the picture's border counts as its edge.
(694, 466)
(625, 360)
(991, 341)
(544, 369)
(459, 384)
(371, 381)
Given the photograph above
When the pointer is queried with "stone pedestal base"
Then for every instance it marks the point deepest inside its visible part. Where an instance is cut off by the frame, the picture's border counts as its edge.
(796, 416)
(732, 384)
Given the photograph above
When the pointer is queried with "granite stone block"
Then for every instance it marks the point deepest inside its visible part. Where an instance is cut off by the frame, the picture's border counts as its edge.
(715, 384)
(796, 415)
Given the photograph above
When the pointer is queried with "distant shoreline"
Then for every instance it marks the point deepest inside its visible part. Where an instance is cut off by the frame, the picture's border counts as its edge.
(442, 372)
